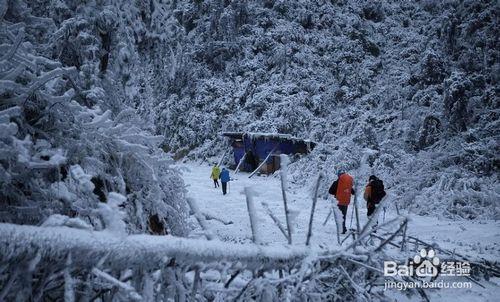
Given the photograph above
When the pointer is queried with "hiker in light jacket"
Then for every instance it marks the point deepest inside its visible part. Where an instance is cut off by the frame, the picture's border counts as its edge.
(224, 179)
(215, 175)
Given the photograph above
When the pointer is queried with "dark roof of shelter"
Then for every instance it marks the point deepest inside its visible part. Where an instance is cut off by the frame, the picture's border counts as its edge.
(267, 136)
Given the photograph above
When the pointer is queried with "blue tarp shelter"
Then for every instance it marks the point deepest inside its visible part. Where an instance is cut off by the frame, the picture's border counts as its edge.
(257, 146)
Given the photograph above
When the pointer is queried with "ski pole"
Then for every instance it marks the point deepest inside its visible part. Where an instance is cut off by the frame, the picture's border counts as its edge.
(352, 215)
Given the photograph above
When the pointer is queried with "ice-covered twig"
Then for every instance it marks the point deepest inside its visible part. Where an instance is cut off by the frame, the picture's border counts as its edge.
(363, 235)
(373, 218)
(15, 46)
(200, 217)
(276, 220)
(389, 239)
(47, 77)
(131, 292)
(359, 291)
(5, 290)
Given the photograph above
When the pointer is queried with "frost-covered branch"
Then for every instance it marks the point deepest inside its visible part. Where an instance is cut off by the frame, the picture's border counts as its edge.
(52, 242)
(276, 220)
(313, 207)
(200, 218)
(131, 292)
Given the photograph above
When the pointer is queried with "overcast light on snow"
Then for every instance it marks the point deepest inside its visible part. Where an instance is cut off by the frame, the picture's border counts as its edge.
(214, 150)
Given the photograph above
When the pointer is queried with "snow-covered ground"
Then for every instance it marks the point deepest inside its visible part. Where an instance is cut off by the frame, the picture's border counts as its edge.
(474, 239)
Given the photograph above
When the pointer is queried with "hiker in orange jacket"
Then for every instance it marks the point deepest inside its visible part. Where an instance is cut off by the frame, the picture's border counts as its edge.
(342, 190)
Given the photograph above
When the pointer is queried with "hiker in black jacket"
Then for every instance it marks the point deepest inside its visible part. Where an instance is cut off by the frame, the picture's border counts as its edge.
(374, 192)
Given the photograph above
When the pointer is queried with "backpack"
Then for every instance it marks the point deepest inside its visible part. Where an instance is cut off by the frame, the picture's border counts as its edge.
(333, 188)
(377, 190)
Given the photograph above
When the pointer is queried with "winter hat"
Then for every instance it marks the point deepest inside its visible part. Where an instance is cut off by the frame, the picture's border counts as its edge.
(372, 177)
(340, 172)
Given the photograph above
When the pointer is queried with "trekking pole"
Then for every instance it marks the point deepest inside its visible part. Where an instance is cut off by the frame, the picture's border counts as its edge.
(384, 214)
(352, 215)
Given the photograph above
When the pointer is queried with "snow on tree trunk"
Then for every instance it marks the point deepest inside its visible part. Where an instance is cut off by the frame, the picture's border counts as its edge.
(252, 213)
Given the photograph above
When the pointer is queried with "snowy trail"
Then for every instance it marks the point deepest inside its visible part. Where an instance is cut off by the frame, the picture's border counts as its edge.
(233, 207)
(472, 238)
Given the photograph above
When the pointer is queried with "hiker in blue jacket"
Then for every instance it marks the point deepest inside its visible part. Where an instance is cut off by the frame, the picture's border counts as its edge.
(224, 179)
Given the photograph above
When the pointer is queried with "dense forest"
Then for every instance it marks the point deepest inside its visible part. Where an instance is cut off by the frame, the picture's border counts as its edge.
(407, 89)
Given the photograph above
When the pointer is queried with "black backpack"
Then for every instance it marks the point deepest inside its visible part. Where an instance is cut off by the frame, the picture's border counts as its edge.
(333, 188)
(377, 190)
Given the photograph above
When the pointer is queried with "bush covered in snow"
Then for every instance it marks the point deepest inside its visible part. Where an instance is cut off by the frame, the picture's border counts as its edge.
(70, 144)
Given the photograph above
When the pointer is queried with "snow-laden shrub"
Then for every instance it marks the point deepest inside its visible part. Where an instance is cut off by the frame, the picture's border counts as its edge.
(455, 101)
(64, 151)
(456, 196)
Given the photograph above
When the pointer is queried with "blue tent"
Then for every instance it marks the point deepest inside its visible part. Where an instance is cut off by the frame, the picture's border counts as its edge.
(257, 146)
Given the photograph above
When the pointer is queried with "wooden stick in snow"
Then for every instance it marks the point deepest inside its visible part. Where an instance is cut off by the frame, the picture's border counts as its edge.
(313, 207)
(239, 164)
(284, 161)
(356, 210)
(252, 212)
(196, 282)
(337, 225)
(262, 163)
(328, 216)
(403, 241)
